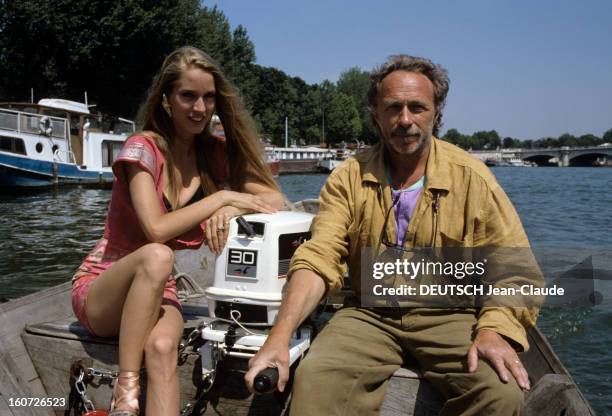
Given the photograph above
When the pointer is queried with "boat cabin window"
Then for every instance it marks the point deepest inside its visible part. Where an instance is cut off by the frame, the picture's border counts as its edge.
(13, 145)
(110, 151)
(74, 124)
(8, 121)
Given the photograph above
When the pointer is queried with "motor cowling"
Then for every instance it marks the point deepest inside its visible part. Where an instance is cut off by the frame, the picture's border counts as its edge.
(251, 271)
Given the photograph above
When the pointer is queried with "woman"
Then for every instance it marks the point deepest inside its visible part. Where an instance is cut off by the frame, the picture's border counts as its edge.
(168, 194)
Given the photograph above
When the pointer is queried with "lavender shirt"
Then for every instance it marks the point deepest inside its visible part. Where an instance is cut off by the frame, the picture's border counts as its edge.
(405, 206)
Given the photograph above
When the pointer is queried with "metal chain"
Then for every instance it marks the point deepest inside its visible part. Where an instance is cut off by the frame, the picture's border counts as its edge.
(207, 380)
(102, 374)
(81, 388)
(187, 409)
(194, 336)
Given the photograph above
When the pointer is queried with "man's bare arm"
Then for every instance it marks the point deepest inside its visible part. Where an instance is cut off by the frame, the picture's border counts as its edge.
(304, 292)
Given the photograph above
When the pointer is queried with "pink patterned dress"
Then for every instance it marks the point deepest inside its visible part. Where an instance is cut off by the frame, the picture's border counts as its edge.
(122, 232)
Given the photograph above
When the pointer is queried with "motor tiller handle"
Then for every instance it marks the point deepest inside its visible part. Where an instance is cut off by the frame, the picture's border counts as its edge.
(266, 380)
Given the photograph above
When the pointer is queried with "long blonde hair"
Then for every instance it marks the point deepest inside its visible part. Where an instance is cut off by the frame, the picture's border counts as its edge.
(244, 153)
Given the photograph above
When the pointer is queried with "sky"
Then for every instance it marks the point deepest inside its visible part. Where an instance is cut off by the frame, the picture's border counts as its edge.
(528, 69)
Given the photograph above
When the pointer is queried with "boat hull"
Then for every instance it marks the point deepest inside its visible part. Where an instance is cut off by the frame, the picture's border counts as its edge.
(328, 165)
(298, 166)
(23, 172)
(37, 363)
(274, 166)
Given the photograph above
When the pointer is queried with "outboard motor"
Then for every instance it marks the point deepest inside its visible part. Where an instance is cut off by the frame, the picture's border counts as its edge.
(250, 274)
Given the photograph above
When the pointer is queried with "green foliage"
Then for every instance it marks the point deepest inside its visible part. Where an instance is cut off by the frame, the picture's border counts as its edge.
(487, 140)
(567, 140)
(342, 119)
(510, 143)
(355, 83)
(607, 137)
(588, 140)
(453, 136)
(110, 49)
(478, 141)
(484, 140)
(214, 36)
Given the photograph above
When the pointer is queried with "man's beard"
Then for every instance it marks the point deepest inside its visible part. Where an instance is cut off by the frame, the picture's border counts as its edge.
(417, 140)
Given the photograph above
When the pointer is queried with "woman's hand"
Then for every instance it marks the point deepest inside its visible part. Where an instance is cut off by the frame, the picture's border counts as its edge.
(217, 228)
(248, 201)
(236, 203)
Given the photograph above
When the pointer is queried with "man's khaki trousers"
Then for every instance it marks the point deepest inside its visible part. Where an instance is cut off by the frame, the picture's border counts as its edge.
(348, 365)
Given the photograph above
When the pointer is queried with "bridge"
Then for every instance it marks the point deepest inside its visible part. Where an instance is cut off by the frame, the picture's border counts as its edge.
(561, 156)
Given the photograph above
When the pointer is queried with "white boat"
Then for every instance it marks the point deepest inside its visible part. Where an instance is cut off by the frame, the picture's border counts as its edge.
(217, 129)
(333, 160)
(327, 165)
(517, 162)
(56, 142)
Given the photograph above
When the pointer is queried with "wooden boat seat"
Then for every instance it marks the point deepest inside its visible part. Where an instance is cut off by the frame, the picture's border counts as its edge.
(71, 329)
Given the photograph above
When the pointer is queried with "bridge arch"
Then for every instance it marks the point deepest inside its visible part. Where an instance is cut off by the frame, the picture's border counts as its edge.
(542, 159)
(591, 159)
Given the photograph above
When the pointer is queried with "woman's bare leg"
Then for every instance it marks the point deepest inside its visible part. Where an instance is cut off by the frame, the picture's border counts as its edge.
(128, 296)
(163, 396)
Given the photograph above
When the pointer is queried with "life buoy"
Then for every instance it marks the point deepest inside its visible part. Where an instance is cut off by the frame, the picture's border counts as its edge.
(44, 125)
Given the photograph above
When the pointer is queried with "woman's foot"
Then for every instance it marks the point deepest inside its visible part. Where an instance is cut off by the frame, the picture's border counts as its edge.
(125, 394)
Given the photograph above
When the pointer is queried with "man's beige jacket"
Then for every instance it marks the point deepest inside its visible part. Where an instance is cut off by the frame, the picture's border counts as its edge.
(472, 211)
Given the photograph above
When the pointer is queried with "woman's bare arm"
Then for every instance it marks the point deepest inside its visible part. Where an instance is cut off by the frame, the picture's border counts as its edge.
(160, 227)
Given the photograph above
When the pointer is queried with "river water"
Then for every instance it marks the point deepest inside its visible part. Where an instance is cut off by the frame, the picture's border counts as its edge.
(44, 236)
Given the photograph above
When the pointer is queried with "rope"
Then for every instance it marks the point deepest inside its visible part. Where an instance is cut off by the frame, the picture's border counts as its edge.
(187, 287)
(239, 324)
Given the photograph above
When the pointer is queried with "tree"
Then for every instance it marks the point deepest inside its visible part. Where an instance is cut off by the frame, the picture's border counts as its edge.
(278, 96)
(453, 136)
(510, 143)
(326, 90)
(485, 140)
(312, 119)
(546, 142)
(588, 140)
(240, 68)
(355, 83)
(566, 140)
(214, 36)
(342, 119)
(607, 136)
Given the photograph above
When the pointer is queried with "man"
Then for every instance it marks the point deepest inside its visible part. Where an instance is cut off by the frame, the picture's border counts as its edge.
(434, 194)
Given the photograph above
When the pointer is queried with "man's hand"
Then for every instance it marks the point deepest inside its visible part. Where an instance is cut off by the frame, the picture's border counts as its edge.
(274, 353)
(495, 349)
(304, 291)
